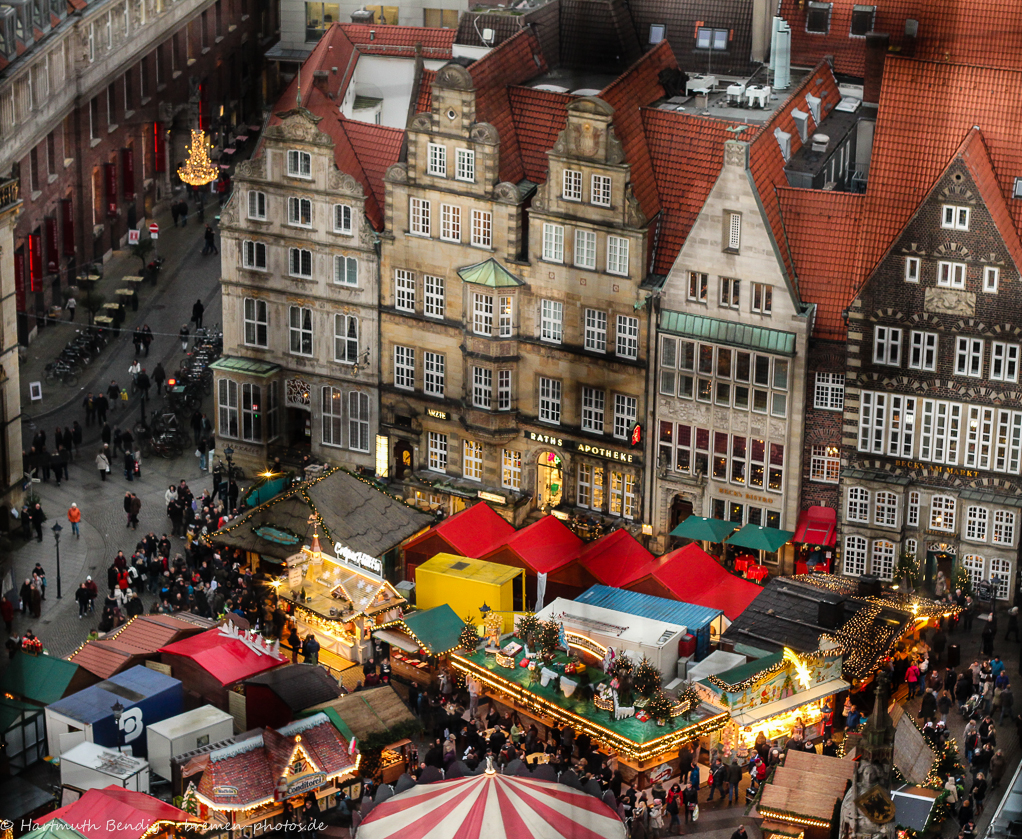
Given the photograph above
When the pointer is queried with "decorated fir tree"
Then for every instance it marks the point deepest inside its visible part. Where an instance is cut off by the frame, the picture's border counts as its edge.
(527, 629)
(647, 677)
(659, 706)
(549, 634)
(469, 638)
(189, 801)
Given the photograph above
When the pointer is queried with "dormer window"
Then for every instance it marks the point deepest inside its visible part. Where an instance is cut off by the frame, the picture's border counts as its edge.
(818, 18)
(862, 21)
(954, 217)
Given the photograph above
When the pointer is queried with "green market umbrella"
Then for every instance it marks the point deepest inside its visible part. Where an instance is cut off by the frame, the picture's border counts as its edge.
(703, 529)
(759, 538)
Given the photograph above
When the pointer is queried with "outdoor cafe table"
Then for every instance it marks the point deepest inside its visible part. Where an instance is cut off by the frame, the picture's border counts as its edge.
(757, 573)
(103, 320)
(132, 279)
(742, 564)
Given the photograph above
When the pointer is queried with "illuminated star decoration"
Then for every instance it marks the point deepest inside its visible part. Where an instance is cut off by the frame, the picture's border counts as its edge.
(801, 671)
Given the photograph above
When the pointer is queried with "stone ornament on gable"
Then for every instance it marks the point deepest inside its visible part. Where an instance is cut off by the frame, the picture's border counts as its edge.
(634, 217)
(947, 301)
(422, 122)
(254, 168)
(297, 392)
(484, 132)
(507, 193)
(735, 153)
(302, 127)
(345, 184)
(397, 173)
(454, 77)
(229, 215)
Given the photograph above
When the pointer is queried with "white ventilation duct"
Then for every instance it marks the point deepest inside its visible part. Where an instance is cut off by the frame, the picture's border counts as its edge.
(801, 122)
(820, 142)
(780, 54)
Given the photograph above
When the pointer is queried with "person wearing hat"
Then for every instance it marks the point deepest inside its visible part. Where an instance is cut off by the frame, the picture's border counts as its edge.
(93, 593)
(1012, 623)
(74, 515)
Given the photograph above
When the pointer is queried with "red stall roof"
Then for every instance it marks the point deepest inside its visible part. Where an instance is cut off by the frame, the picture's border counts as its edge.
(130, 813)
(139, 637)
(227, 657)
(543, 546)
(692, 575)
(616, 559)
(474, 531)
(816, 526)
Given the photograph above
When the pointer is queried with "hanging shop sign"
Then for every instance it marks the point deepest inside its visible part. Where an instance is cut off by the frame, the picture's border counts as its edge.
(492, 497)
(436, 413)
(305, 783)
(359, 560)
(589, 449)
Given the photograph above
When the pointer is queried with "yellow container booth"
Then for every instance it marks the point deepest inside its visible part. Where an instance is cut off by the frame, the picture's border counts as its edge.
(466, 585)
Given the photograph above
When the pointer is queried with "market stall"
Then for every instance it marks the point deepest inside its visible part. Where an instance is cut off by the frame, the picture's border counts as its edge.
(278, 696)
(772, 694)
(118, 813)
(815, 537)
(800, 796)
(466, 585)
(417, 642)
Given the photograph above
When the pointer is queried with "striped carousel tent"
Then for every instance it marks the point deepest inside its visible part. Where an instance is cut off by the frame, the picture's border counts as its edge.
(490, 805)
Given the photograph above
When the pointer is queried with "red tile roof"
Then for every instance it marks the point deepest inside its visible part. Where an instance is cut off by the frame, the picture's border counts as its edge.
(820, 226)
(687, 153)
(766, 162)
(226, 658)
(474, 531)
(117, 813)
(544, 546)
(927, 110)
(615, 559)
(253, 767)
(424, 100)
(539, 116)
(370, 148)
(139, 637)
(372, 39)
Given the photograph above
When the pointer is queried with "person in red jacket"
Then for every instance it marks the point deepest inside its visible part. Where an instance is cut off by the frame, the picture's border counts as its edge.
(74, 515)
(7, 613)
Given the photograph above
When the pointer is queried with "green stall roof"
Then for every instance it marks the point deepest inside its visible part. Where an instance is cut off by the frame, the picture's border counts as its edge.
(39, 678)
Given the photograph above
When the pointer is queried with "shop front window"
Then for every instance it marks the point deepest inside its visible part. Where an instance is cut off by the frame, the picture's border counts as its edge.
(550, 483)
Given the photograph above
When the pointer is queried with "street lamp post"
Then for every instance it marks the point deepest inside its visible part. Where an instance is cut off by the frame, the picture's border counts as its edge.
(118, 710)
(56, 541)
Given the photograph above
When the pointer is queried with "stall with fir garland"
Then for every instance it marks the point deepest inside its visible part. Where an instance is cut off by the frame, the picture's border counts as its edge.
(549, 674)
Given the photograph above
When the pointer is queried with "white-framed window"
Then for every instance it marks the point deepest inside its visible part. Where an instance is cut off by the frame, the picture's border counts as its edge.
(299, 212)
(940, 438)
(434, 373)
(482, 228)
(976, 568)
(954, 217)
(251, 413)
(942, 513)
(585, 248)
(976, 520)
(951, 274)
(595, 330)
(549, 400)
(911, 269)
(437, 160)
(911, 547)
(503, 390)
(601, 190)
(625, 412)
(912, 514)
(434, 303)
(465, 165)
(979, 436)
(257, 205)
(342, 218)
(858, 505)
(257, 322)
(1008, 451)
(345, 339)
(419, 217)
(472, 461)
(734, 231)
(617, 255)
(437, 451)
(627, 335)
(590, 487)
(825, 464)
(482, 387)
(1000, 576)
(623, 501)
(345, 270)
(854, 564)
(333, 416)
(404, 290)
(300, 330)
(883, 559)
(1004, 528)
(697, 286)
(593, 405)
(762, 298)
(553, 242)
(300, 263)
(657, 32)
(511, 470)
(708, 38)
(404, 368)
(885, 509)
(505, 316)
(482, 314)
(829, 393)
(254, 255)
(730, 289)
(450, 222)
(991, 277)
(1004, 362)
(969, 357)
(551, 321)
(358, 421)
(923, 351)
(887, 345)
(571, 185)
(299, 164)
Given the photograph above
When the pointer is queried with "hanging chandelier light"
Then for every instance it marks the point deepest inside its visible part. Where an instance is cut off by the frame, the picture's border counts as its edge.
(198, 170)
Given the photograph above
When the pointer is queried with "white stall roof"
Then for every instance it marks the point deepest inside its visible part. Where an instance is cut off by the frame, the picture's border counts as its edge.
(609, 623)
(189, 721)
(109, 761)
(716, 662)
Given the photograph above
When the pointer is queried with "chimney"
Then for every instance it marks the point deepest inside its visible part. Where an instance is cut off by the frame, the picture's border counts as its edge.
(908, 45)
(319, 80)
(363, 15)
(876, 54)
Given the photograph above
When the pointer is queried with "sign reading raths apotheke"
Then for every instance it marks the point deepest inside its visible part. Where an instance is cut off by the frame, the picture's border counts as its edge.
(589, 449)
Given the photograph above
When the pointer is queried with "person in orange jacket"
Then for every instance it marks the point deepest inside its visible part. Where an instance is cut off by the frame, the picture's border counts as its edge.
(74, 515)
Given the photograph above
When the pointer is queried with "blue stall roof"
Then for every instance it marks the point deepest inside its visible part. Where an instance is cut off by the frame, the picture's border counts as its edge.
(647, 606)
(129, 688)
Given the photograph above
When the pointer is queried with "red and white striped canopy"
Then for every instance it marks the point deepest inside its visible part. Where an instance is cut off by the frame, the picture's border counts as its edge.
(489, 806)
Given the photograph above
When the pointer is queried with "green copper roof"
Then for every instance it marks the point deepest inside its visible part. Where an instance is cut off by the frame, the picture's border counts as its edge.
(728, 332)
(489, 273)
(245, 366)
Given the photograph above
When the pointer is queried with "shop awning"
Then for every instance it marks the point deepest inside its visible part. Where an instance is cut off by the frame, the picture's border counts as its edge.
(759, 538)
(397, 639)
(781, 706)
(816, 526)
(703, 529)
